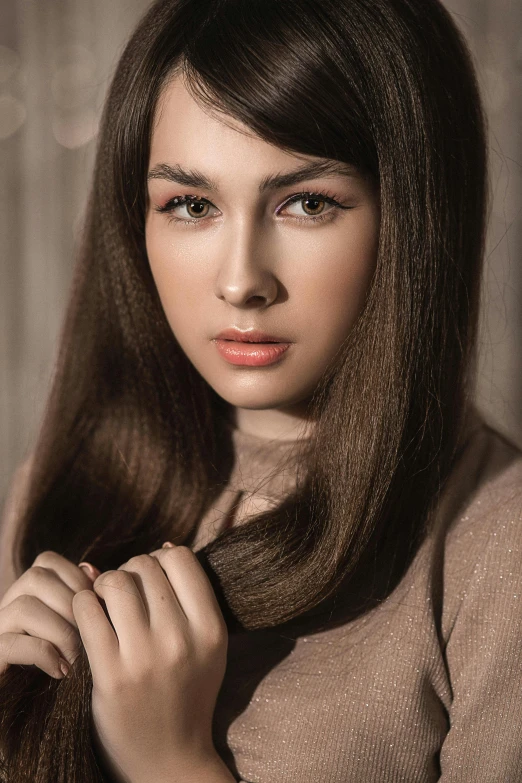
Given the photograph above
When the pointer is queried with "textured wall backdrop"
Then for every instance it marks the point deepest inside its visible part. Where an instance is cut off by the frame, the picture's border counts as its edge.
(56, 57)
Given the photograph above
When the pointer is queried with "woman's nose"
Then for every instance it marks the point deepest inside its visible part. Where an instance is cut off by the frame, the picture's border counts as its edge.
(245, 273)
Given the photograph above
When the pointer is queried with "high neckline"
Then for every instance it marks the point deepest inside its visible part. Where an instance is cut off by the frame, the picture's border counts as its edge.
(262, 439)
(265, 462)
(265, 471)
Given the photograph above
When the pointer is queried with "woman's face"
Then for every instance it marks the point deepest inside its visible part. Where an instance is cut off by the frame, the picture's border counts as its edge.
(243, 253)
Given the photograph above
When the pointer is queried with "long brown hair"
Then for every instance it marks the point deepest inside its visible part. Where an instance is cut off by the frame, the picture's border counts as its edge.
(135, 445)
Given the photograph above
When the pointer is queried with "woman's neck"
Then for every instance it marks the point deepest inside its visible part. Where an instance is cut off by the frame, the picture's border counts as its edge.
(272, 424)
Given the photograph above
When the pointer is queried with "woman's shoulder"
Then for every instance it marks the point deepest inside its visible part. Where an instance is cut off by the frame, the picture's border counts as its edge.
(479, 520)
(485, 485)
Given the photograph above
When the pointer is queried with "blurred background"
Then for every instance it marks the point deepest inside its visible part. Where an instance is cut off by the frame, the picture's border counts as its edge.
(56, 59)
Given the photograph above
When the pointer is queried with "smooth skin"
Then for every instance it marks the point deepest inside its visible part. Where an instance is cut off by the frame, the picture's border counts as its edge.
(244, 258)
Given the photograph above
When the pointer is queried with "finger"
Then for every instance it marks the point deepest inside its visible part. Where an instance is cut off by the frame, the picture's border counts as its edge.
(28, 614)
(166, 544)
(192, 588)
(97, 634)
(154, 587)
(91, 571)
(124, 604)
(68, 572)
(157, 593)
(23, 650)
(45, 585)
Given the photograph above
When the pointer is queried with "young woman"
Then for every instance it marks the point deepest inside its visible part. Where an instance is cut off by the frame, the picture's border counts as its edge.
(341, 599)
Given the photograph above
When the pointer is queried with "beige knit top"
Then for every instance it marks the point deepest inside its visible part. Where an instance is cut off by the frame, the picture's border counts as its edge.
(427, 686)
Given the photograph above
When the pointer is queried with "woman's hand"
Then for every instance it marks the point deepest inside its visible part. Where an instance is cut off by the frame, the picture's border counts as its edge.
(157, 661)
(37, 624)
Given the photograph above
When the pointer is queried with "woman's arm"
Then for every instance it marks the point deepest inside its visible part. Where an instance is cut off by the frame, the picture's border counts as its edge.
(484, 651)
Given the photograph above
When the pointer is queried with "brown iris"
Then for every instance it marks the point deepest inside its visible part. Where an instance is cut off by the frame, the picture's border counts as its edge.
(313, 200)
(200, 206)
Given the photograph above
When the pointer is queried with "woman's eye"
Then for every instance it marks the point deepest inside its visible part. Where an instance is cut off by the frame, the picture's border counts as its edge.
(196, 208)
(315, 207)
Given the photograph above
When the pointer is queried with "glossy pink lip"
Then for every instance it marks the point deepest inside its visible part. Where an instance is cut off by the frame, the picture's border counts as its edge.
(249, 336)
(250, 354)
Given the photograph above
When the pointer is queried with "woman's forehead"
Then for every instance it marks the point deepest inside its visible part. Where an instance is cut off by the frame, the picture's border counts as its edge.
(187, 136)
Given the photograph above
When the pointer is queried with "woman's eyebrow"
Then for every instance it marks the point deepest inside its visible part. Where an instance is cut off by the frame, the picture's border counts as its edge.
(196, 179)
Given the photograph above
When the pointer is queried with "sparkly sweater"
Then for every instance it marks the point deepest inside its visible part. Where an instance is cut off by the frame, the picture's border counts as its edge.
(425, 687)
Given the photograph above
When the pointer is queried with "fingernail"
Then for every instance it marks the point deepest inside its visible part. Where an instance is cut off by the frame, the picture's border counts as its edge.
(167, 544)
(64, 666)
(89, 570)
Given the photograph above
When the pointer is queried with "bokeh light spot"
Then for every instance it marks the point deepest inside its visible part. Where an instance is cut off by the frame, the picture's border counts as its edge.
(75, 130)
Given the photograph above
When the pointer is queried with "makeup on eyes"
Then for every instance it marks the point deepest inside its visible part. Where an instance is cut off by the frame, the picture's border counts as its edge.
(311, 196)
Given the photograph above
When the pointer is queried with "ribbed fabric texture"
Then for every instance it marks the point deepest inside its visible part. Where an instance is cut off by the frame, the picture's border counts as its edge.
(426, 687)
(264, 471)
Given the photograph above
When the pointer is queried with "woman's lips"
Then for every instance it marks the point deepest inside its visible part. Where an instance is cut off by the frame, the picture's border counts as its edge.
(251, 354)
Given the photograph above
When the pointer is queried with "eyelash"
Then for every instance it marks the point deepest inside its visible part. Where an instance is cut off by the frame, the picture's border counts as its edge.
(178, 201)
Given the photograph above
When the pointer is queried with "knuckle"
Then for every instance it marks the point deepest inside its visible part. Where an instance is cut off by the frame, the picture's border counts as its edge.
(181, 652)
(116, 579)
(23, 603)
(47, 556)
(77, 593)
(45, 647)
(35, 573)
(215, 636)
(142, 562)
(139, 559)
(180, 551)
(184, 551)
